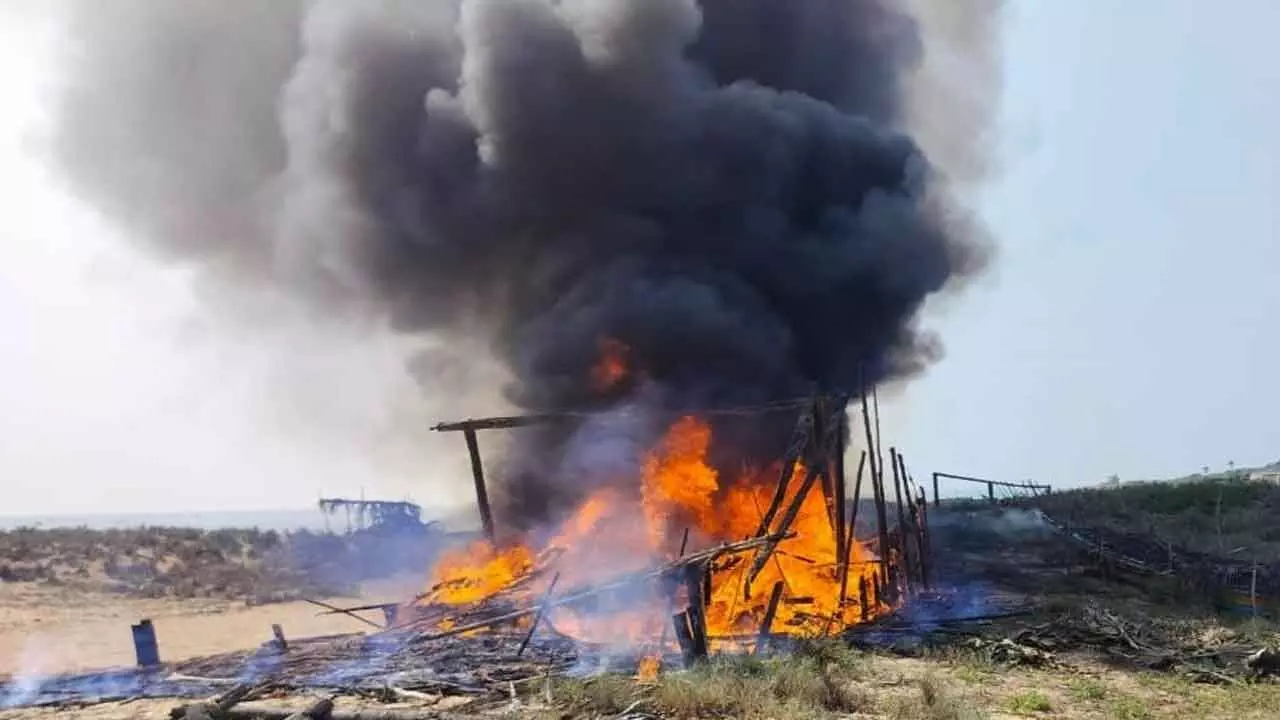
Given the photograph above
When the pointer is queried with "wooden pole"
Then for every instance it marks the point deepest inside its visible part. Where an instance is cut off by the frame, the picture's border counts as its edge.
(849, 534)
(537, 617)
(842, 492)
(821, 457)
(877, 491)
(277, 632)
(693, 580)
(1253, 590)
(902, 518)
(680, 621)
(852, 529)
(875, 402)
(766, 625)
(793, 511)
(917, 527)
(991, 492)
(937, 499)
(801, 438)
(926, 550)
(477, 474)
(862, 597)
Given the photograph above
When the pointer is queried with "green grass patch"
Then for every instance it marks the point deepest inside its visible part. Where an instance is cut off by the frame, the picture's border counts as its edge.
(1087, 690)
(1029, 703)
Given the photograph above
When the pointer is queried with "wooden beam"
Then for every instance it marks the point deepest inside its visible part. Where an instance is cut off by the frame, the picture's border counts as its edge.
(502, 423)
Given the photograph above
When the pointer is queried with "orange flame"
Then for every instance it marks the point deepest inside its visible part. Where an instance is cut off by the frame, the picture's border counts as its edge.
(612, 368)
(648, 671)
(475, 572)
(601, 540)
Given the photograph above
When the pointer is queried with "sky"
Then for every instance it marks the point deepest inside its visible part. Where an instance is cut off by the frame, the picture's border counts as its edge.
(1127, 326)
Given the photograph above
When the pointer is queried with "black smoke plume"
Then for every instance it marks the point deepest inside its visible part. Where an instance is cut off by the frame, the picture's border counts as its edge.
(727, 187)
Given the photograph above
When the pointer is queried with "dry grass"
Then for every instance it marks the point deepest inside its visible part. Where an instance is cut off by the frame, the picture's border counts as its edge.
(840, 684)
(819, 680)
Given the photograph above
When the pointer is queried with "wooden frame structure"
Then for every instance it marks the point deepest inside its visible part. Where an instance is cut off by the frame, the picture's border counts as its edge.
(819, 440)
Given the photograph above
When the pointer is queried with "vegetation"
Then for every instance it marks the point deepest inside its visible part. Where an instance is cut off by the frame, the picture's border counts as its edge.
(842, 683)
(252, 565)
(1219, 514)
(819, 680)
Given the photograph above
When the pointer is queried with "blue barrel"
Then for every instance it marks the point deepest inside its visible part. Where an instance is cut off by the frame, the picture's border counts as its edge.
(144, 644)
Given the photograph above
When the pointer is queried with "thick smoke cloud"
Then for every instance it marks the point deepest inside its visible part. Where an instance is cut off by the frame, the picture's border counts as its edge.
(726, 186)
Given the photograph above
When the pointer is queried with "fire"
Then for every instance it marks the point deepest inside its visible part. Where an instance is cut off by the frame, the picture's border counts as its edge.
(650, 665)
(679, 491)
(677, 485)
(475, 572)
(612, 368)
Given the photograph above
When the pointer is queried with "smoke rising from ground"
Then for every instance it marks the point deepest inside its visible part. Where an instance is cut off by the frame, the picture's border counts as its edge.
(726, 186)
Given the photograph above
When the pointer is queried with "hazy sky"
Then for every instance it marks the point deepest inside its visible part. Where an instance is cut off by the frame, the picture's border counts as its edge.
(1128, 326)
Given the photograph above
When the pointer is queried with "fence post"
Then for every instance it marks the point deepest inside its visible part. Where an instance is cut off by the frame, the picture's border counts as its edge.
(1253, 590)
(937, 501)
(991, 492)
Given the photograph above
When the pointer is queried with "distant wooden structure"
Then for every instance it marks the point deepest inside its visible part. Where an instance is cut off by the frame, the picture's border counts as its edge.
(371, 514)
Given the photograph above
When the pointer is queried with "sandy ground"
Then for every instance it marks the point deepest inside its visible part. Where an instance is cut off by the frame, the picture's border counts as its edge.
(45, 630)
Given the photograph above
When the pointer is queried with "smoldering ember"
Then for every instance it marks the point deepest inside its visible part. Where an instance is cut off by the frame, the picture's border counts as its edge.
(697, 234)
